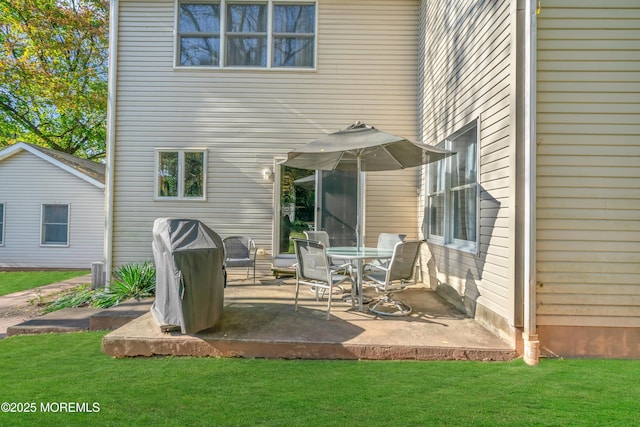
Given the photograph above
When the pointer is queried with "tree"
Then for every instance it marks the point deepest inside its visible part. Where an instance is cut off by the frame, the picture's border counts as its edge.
(53, 74)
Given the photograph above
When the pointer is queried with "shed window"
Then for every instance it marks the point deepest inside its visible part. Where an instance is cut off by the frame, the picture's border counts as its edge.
(452, 192)
(1, 224)
(55, 225)
(261, 34)
(181, 174)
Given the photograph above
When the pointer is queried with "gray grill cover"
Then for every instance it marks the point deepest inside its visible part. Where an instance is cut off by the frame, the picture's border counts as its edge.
(190, 277)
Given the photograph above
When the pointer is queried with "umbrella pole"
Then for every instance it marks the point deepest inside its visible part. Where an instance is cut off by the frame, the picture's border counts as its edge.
(359, 205)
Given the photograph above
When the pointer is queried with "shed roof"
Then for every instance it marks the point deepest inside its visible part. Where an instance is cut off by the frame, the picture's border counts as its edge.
(87, 170)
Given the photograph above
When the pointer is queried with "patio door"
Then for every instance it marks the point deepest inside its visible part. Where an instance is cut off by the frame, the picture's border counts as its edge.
(310, 200)
(337, 206)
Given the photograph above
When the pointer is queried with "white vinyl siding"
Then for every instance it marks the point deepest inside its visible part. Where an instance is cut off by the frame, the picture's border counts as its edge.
(467, 71)
(2, 208)
(37, 182)
(366, 70)
(588, 164)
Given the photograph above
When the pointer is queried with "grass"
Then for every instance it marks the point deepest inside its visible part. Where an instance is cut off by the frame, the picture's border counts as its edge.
(16, 281)
(246, 392)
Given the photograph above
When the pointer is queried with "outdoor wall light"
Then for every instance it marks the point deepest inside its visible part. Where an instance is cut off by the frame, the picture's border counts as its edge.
(267, 174)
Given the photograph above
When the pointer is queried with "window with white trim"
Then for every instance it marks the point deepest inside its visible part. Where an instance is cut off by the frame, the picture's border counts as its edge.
(181, 174)
(262, 34)
(453, 194)
(55, 225)
(1, 224)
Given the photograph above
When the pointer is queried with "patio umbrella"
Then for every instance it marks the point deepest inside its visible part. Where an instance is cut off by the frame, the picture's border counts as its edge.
(362, 148)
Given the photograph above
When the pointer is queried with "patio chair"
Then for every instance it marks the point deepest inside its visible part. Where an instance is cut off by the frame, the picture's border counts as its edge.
(387, 241)
(399, 274)
(240, 251)
(320, 236)
(313, 269)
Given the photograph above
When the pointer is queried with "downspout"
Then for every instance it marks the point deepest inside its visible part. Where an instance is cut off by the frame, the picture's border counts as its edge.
(111, 120)
(530, 333)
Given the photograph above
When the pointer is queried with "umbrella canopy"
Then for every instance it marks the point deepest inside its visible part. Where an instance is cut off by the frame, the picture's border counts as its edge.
(375, 150)
(361, 148)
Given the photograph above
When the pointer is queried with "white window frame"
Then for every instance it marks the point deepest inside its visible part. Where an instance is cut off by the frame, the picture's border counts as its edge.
(181, 152)
(223, 35)
(447, 238)
(42, 224)
(2, 222)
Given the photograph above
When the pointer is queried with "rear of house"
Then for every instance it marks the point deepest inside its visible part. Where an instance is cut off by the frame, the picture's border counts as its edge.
(533, 235)
(203, 116)
(51, 209)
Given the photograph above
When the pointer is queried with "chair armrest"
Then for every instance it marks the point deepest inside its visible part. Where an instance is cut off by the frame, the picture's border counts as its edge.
(342, 269)
(374, 267)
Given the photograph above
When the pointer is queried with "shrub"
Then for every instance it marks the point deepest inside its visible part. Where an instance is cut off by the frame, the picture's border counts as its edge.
(136, 280)
(133, 281)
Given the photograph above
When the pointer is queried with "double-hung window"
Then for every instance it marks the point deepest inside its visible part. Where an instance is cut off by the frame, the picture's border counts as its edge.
(453, 194)
(1, 224)
(253, 34)
(55, 225)
(181, 174)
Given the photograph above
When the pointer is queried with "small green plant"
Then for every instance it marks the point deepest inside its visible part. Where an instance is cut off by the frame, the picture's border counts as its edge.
(136, 280)
(77, 297)
(133, 281)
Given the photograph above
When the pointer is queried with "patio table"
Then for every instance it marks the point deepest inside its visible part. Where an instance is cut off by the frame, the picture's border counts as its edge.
(356, 257)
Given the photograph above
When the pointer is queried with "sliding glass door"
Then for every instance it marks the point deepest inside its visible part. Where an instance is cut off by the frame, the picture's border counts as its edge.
(310, 200)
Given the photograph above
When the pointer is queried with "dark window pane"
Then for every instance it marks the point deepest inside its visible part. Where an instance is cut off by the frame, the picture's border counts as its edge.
(294, 18)
(168, 174)
(464, 162)
(464, 214)
(193, 174)
(292, 52)
(56, 214)
(55, 234)
(436, 214)
(247, 18)
(200, 51)
(247, 51)
(198, 18)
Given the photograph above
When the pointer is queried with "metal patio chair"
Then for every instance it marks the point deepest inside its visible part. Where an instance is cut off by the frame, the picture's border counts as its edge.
(240, 251)
(313, 269)
(399, 274)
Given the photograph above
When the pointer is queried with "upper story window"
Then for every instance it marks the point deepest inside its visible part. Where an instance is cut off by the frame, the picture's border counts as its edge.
(266, 34)
(181, 174)
(1, 224)
(55, 225)
(453, 194)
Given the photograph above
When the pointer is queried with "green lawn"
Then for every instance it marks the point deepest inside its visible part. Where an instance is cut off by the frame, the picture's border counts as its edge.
(49, 369)
(15, 281)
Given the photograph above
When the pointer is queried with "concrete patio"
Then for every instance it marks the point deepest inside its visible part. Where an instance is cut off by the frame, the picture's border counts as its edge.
(259, 321)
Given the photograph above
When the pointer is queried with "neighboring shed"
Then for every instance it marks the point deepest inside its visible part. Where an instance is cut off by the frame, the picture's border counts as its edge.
(51, 209)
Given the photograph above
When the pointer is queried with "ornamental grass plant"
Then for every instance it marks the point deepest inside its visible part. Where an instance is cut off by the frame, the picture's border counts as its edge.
(135, 280)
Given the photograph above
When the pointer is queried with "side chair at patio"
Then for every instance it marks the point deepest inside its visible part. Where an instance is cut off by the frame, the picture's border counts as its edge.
(321, 236)
(397, 275)
(240, 251)
(313, 269)
(387, 241)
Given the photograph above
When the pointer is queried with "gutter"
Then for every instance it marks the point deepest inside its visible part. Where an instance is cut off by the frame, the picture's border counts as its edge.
(111, 127)
(530, 333)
